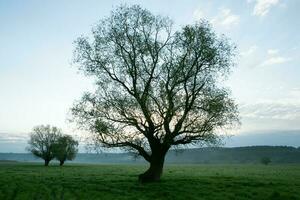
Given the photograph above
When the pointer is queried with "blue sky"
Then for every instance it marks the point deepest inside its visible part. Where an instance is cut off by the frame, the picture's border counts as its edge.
(38, 83)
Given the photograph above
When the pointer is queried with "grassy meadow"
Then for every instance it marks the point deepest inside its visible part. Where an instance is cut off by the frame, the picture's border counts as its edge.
(74, 181)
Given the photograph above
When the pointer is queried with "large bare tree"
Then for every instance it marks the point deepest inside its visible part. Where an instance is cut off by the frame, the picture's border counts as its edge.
(156, 87)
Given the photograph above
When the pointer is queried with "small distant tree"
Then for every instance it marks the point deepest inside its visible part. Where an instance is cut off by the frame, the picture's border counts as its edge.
(65, 148)
(265, 160)
(42, 140)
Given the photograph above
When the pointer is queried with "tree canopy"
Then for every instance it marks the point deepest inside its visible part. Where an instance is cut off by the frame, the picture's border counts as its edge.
(42, 140)
(65, 148)
(156, 87)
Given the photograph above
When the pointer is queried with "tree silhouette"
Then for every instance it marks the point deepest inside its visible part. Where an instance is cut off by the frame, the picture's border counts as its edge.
(156, 87)
(65, 148)
(42, 140)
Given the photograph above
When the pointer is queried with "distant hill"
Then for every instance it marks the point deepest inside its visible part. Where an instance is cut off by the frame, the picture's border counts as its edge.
(208, 155)
(252, 154)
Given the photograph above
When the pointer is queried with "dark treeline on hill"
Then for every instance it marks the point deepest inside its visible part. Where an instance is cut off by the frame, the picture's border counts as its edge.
(207, 155)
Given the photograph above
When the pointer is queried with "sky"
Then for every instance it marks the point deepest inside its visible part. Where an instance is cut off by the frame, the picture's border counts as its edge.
(39, 83)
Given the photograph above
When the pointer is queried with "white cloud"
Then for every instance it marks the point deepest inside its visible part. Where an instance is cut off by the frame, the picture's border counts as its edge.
(13, 137)
(272, 110)
(275, 60)
(262, 7)
(249, 51)
(225, 18)
(254, 56)
(273, 51)
(286, 106)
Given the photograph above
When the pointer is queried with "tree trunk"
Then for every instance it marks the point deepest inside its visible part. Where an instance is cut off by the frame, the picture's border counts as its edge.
(47, 162)
(155, 170)
(61, 162)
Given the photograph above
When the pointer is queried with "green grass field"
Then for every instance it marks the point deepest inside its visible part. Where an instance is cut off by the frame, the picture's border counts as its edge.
(34, 181)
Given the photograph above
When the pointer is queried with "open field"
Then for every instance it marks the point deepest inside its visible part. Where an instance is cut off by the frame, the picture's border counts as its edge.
(34, 181)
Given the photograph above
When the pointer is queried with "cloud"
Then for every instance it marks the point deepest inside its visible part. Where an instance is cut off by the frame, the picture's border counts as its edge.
(271, 110)
(273, 51)
(225, 18)
(287, 107)
(262, 7)
(274, 58)
(13, 138)
(249, 51)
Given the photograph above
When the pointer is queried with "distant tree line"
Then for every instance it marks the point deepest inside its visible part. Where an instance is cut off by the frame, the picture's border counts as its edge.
(238, 155)
(48, 142)
(207, 155)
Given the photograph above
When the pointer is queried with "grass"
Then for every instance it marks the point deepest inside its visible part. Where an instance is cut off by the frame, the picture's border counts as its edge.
(34, 181)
